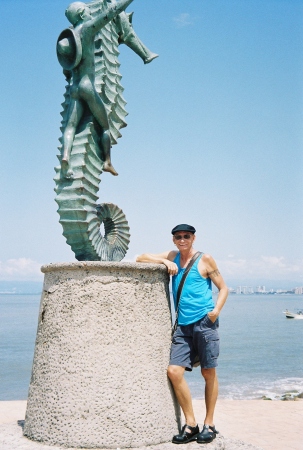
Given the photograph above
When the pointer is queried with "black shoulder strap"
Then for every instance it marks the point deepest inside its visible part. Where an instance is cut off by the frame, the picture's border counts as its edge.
(180, 287)
(189, 266)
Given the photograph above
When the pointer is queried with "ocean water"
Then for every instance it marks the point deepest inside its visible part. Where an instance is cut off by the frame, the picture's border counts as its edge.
(18, 326)
(261, 350)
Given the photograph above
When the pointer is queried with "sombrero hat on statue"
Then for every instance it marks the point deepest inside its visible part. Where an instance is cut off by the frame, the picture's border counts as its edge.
(69, 49)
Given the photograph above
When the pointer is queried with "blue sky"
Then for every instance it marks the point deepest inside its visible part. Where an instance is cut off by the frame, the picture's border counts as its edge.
(214, 135)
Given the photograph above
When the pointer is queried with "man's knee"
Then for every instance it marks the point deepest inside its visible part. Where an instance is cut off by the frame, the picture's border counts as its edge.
(209, 374)
(175, 373)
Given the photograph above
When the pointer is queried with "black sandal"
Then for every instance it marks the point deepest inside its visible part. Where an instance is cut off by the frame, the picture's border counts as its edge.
(184, 437)
(208, 434)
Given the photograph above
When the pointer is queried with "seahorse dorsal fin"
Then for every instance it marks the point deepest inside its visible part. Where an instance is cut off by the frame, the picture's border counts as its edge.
(130, 17)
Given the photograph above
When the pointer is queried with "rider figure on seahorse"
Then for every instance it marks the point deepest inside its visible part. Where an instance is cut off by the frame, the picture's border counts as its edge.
(76, 53)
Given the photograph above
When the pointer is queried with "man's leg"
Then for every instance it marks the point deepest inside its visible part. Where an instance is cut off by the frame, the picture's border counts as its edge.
(98, 110)
(75, 112)
(211, 394)
(176, 376)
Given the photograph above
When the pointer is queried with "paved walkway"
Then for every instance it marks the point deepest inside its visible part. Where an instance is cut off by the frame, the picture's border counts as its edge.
(272, 425)
(243, 425)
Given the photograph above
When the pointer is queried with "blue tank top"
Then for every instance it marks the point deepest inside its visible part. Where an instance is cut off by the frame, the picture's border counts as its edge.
(196, 297)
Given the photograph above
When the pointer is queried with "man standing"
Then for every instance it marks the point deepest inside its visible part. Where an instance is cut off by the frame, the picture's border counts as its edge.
(197, 331)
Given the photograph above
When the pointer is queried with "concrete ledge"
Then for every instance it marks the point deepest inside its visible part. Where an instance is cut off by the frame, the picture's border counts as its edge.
(96, 265)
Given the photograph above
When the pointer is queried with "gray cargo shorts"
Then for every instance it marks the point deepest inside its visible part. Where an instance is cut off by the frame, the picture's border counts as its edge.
(197, 339)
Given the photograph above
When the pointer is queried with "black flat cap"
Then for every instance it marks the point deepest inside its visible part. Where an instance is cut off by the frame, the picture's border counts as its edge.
(183, 227)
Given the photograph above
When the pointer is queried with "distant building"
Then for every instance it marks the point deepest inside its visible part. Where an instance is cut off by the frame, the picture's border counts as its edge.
(260, 290)
(239, 290)
(248, 290)
(245, 290)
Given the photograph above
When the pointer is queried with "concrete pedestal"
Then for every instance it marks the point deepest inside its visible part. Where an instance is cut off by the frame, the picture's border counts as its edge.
(102, 349)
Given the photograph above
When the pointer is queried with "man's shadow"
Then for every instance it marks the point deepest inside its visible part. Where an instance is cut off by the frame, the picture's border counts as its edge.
(21, 423)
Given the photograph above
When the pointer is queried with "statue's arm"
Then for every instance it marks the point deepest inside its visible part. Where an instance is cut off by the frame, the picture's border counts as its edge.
(105, 17)
(128, 36)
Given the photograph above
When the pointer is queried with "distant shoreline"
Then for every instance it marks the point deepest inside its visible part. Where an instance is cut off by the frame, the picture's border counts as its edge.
(20, 293)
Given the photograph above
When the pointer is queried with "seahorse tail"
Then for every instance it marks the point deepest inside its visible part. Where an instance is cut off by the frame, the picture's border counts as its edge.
(76, 197)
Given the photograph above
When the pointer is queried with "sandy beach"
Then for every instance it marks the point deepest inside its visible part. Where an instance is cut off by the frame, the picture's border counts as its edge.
(269, 425)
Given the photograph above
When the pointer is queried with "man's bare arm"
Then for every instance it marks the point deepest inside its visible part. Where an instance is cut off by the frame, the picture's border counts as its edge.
(213, 273)
(165, 258)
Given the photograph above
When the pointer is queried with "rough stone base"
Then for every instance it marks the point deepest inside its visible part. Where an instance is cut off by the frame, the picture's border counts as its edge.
(99, 373)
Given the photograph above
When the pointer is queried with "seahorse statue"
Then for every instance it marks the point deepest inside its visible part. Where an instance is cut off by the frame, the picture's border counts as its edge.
(93, 114)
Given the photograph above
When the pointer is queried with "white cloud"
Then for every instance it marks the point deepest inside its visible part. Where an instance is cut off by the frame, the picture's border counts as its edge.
(274, 261)
(271, 267)
(20, 269)
(264, 267)
(183, 20)
(130, 259)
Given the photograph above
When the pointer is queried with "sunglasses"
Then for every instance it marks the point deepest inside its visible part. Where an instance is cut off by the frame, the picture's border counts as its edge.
(178, 237)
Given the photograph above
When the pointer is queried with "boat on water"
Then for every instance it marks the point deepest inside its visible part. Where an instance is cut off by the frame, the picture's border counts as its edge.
(291, 315)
